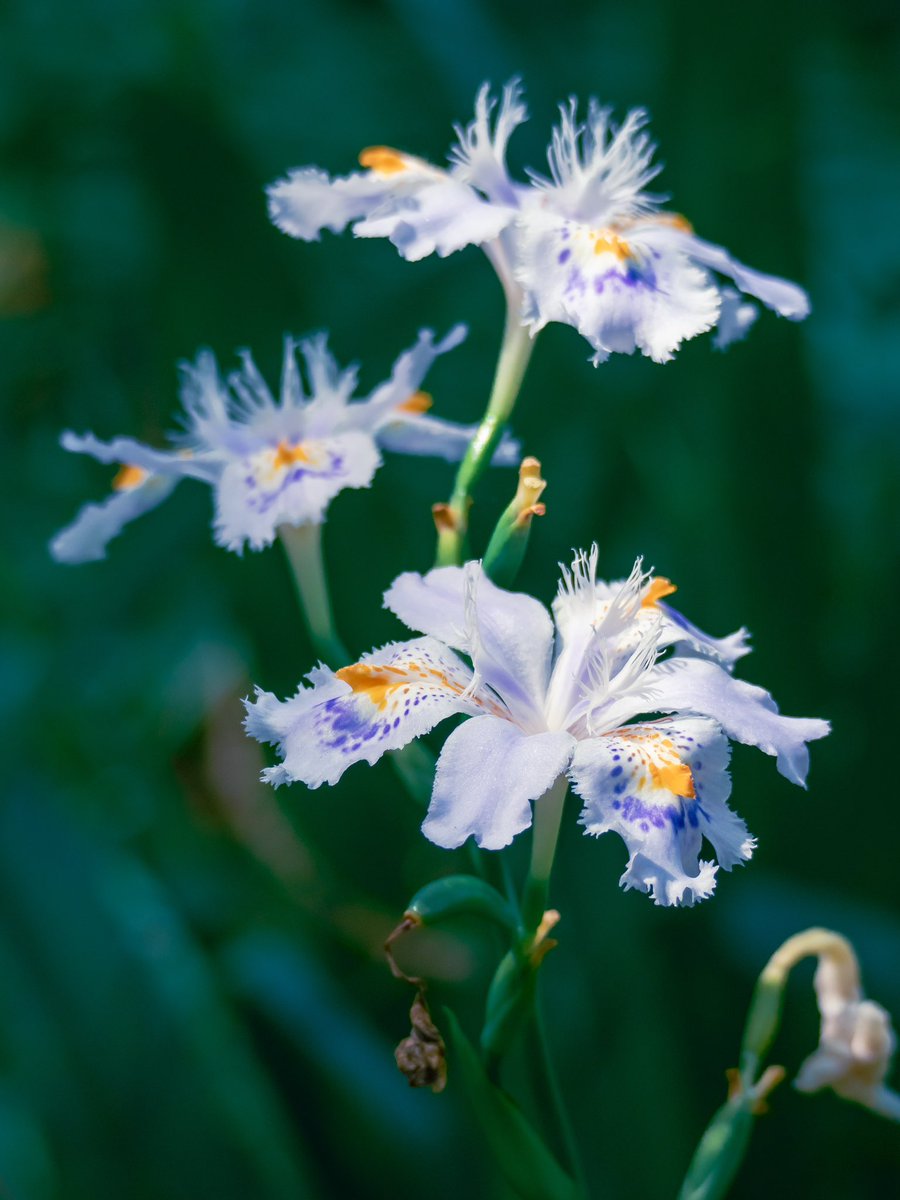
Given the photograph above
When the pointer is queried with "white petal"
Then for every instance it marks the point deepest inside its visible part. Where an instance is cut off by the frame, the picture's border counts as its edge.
(86, 539)
(443, 439)
(259, 492)
(488, 773)
(663, 787)
(748, 714)
(442, 216)
(599, 171)
(407, 375)
(308, 201)
(735, 318)
(784, 297)
(128, 451)
(508, 635)
(480, 156)
(620, 295)
(354, 715)
(688, 639)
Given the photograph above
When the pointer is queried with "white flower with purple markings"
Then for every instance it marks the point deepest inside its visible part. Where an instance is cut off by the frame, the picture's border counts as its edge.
(543, 702)
(586, 245)
(272, 462)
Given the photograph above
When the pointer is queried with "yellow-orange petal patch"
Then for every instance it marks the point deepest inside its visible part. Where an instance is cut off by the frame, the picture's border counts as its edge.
(379, 682)
(383, 159)
(288, 453)
(129, 477)
(418, 402)
(675, 777)
(608, 242)
(656, 589)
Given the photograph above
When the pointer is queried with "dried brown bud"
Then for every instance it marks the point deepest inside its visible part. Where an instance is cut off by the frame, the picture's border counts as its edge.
(422, 1056)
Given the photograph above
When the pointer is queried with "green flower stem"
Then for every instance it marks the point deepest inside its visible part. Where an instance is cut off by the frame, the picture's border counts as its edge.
(547, 817)
(515, 352)
(303, 546)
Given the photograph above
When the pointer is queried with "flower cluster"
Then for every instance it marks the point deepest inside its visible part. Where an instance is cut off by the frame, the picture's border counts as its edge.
(586, 244)
(272, 462)
(542, 702)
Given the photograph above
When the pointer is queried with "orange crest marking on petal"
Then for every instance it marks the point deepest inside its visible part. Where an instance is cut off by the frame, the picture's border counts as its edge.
(675, 777)
(129, 477)
(608, 242)
(656, 589)
(383, 159)
(661, 760)
(418, 402)
(379, 682)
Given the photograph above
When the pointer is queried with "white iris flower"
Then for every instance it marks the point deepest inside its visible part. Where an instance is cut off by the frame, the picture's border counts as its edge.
(586, 245)
(272, 462)
(542, 703)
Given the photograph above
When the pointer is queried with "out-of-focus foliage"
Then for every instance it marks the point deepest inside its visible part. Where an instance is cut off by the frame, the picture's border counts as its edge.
(192, 1001)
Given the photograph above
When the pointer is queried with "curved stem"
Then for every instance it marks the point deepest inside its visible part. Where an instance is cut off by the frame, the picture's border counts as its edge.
(303, 546)
(515, 352)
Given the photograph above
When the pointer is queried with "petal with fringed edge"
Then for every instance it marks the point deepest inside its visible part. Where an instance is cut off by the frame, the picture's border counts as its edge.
(618, 294)
(380, 703)
(87, 538)
(663, 787)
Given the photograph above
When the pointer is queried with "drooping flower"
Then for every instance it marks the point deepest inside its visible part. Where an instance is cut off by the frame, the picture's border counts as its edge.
(542, 703)
(271, 462)
(856, 1040)
(588, 245)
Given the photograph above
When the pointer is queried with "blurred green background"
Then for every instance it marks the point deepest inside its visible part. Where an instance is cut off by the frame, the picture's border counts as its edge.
(192, 999)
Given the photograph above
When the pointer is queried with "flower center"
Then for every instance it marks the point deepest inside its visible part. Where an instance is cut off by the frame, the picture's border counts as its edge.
(288, 453)
(608, 242)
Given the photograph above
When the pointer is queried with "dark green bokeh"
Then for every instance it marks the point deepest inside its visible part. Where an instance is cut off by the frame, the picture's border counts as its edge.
(191, 997)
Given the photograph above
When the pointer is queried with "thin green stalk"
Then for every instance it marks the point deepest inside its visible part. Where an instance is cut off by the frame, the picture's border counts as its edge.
(548, 1093)
(548, 812)
(515, 352)
(303, 546)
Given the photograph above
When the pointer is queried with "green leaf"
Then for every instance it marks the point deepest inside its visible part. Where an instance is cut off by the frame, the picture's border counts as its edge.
(522, 1157)
(720, 1153)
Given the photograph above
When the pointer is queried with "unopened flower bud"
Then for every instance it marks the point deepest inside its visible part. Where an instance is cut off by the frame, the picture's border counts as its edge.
(509, 540)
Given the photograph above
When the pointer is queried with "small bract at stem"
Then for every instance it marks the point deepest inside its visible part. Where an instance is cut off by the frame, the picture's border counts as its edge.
(515, 353)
